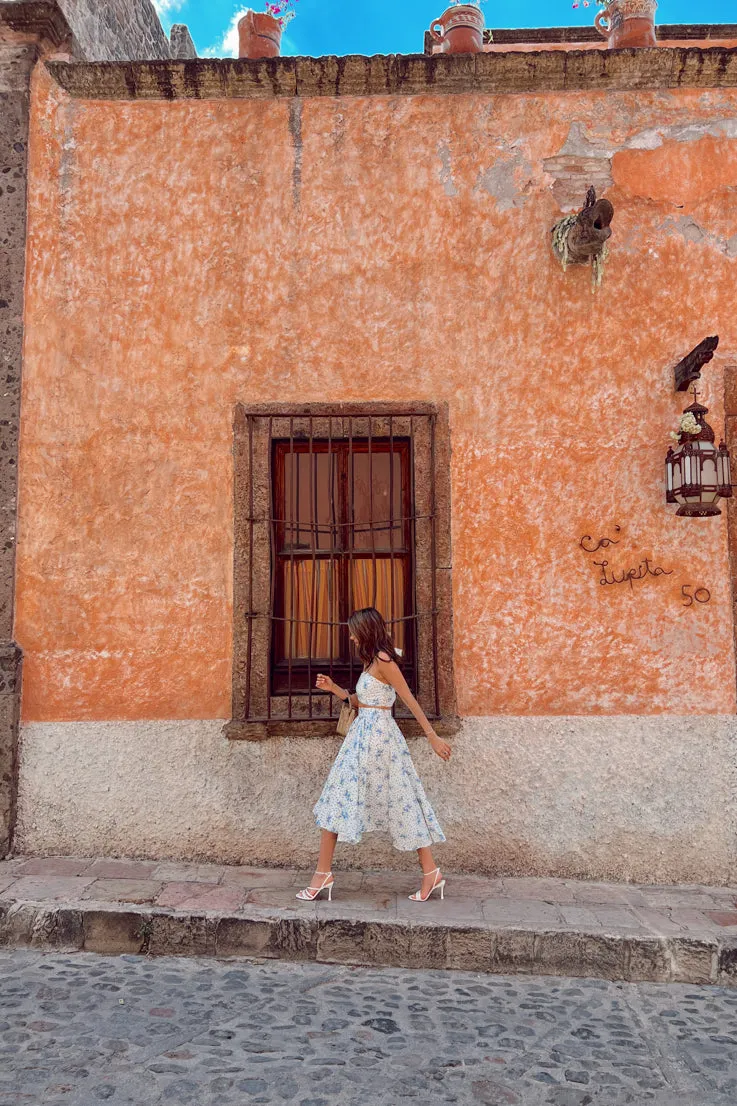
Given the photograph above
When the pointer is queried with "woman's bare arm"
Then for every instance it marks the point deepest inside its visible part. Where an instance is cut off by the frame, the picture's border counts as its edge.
(325, 683)
(390, 672)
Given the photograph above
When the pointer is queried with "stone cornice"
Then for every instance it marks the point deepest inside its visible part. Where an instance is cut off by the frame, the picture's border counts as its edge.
(401, 75)
(42, 18)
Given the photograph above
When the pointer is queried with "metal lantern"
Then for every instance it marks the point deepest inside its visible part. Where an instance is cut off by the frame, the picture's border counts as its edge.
(697, 474)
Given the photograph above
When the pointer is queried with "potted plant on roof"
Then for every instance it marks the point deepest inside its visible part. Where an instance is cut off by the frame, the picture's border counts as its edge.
(625, 23)
(461, 28)
(259, 33)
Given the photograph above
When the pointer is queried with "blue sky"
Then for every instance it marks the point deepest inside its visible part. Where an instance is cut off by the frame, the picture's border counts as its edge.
(388, 27)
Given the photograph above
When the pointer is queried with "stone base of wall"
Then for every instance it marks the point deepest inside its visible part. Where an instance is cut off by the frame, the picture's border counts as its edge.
(649, 799)
(10, 680)
(16, 66)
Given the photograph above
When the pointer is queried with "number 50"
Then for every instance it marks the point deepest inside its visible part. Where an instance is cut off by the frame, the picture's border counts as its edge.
(701, 595)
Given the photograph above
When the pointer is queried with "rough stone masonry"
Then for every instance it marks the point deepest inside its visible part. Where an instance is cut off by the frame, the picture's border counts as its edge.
(16, 65)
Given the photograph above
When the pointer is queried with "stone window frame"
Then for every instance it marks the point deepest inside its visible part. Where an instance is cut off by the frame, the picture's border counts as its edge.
(255, 427)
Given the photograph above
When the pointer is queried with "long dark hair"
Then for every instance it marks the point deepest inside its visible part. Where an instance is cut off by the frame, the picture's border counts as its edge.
(369, 630)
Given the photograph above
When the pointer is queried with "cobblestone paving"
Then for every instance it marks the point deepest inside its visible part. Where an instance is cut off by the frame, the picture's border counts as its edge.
(82, 1029)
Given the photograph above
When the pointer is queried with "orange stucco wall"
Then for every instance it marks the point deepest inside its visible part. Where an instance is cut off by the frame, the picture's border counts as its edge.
(186, 256)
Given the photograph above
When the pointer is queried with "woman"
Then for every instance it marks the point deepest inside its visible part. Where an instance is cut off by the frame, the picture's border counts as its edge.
(373, 784)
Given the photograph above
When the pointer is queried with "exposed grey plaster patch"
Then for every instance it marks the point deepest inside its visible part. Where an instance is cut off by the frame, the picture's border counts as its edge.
(688, 228)
(645, 140)
(578, 144)
(651, 139)
(584, 160)
(446, 169)
(693, 132)
(339, 131)
(295, 128)
(500, 180)
(67, 164)
(727, 128)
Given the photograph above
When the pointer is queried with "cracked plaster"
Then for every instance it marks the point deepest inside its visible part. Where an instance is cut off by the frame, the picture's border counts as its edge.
(508, 180)
(588, 157)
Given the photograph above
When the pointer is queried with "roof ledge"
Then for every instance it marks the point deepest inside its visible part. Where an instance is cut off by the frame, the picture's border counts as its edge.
(400, 75)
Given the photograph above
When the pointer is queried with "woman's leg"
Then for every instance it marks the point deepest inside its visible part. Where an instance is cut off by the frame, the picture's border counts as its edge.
(324, 863)
(328, 842)
(427, 863)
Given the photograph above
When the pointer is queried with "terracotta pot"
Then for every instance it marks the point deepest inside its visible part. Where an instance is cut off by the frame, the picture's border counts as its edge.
(461, 30)
(627, 23)
(259, 36)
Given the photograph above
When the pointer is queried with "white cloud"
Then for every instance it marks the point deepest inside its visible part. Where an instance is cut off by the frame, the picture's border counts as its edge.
(227, 47)
(165, 7)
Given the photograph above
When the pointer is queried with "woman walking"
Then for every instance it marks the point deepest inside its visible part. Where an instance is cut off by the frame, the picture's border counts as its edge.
(373, 784)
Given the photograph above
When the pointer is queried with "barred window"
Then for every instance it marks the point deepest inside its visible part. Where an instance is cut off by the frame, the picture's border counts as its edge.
(343, 535)
(337, 507)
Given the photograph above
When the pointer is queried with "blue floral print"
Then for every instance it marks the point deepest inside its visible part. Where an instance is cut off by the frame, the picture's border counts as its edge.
(373, 784)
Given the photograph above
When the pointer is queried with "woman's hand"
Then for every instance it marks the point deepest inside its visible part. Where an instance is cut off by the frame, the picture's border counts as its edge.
(324, 683)
(442, 748)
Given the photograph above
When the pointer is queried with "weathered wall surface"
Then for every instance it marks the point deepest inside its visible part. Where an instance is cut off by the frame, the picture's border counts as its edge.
(315, 265)
(630, 798)
(393, 249)
(16, 65)
(120, 29)
(116, 30)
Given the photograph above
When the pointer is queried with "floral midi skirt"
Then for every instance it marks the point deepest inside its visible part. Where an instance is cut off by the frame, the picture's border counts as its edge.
(373, 785)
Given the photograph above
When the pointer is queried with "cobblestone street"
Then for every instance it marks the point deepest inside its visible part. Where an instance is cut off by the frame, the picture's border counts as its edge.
(80, 1029)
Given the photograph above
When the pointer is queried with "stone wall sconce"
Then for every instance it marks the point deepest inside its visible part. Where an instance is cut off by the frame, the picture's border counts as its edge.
(581, 239)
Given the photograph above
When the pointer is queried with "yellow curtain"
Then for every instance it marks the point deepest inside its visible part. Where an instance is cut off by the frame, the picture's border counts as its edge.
(307, 601)
(307, 605)
(363, 592)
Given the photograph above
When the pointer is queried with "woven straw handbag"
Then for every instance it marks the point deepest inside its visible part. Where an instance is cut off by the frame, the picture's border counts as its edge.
(346, 718)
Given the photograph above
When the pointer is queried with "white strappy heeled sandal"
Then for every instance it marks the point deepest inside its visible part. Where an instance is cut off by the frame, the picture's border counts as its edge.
(437, 884)
(310, 893)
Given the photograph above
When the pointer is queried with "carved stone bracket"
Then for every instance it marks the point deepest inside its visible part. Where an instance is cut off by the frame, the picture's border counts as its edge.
(586, 233)
(689, 369)
(582, 238)
(41, 18)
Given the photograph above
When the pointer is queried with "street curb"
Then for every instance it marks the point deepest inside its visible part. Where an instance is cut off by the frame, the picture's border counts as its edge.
(277, 934)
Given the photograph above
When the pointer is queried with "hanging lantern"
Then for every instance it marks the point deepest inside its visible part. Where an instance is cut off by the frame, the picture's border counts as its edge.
(697, 474)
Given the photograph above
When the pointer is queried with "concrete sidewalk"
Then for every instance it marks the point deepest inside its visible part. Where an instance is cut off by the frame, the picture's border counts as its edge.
(540, 926)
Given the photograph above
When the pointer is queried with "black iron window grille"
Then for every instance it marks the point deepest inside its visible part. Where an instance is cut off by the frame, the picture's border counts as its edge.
(337, 507)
